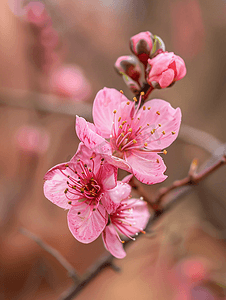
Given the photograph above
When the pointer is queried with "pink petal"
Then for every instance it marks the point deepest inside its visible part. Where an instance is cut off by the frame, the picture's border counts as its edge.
(107, 176)
(120, 192)
(55, 185)
(147, 167)
(106, 101)
(181, 68)
(169, 119)
(118, 162)
(112, 243)
(86, 228)
(87, 134)
(141, 215)
(127, 178)
(160, 63)
(108, 203)
(166, 78)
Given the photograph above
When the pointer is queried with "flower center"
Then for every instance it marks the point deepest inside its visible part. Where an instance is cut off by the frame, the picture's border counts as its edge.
(82, 185)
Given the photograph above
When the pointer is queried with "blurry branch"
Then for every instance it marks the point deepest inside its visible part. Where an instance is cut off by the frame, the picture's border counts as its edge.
(199, 138)
(44, 103)
(71, 271)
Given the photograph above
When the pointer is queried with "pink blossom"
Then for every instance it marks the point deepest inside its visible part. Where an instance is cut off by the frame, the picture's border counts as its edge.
(36, 13)
(165, 69)
(130, 218)
(32, 139)
(82, 185)
(130, 66)
(136, 135)
(70, 81)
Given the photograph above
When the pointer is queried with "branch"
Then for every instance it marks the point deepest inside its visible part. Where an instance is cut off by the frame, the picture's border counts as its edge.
(44, 103)
(191, 179)
(71, 271)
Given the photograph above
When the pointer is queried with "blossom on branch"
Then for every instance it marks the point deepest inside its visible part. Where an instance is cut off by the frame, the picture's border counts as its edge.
(130, 218)
(164, 69)
(82, 185)
(136, 135)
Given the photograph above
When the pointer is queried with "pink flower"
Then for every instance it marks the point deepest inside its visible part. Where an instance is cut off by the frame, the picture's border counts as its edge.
(165, 69)
(130, 218)
(32, 139)
(70, 81)
(82, 185)
(135, 135)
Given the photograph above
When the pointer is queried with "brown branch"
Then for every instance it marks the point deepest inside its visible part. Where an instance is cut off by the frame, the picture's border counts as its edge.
(71, 271)
(191, 179)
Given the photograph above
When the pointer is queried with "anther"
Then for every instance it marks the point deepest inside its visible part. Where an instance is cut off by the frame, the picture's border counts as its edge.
(102, 159)
(152, 132)
(119, 119)
(114, 111)
(120, 126)
(145, 144)
(144, 107)
(69, 202)
(66, 166)
(130, 129)
(85, 165)
(124, 122)
(142, 231)
(121, 91)
(78, 160)
(135, 99)
(157, 112)
(82, 190)
(94, 209)
(134, 141)
(127, 102)
(157, 160)
(66, 190)
(122, 134)
(159, 125)
(173, 132)
(68, 176)
(79, 213)
(164, 152)
(148, 124)
(163, 132)
(149, 108)
(142, 93)
(67, 182)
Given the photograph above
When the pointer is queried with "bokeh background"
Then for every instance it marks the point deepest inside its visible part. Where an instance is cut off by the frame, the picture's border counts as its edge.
(48, 78)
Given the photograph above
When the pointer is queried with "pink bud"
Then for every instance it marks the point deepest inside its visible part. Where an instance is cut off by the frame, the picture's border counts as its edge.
(69, 81)
(165, 69)
(128, 65)
(141, 45)
(32, 139)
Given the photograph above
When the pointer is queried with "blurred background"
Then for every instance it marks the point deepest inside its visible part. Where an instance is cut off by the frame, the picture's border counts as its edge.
(46, 78)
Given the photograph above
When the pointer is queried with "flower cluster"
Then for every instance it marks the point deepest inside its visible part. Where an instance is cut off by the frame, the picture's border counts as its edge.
(161, 68)
(125, 134)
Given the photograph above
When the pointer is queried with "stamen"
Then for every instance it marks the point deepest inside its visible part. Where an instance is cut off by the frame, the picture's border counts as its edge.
(173, 132)
(164, 152)
(121, 91)
(163, 132)
(157, 112)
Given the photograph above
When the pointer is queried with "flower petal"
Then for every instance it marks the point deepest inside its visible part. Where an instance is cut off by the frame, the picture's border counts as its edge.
(106, 101)
(86, 228)
(147, 167)
(166, 78)
(55, 185)
(163, 119)
(120, 192)
(112, 243)
(87, 134)
(107, 176)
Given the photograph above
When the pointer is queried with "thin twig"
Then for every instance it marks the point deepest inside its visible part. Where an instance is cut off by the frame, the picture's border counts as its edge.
(71, 271)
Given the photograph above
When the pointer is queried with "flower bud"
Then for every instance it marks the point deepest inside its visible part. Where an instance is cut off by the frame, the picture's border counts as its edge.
(132, 85)
(164, 69)
(141, 45)
(158, 46)
(128, 65)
